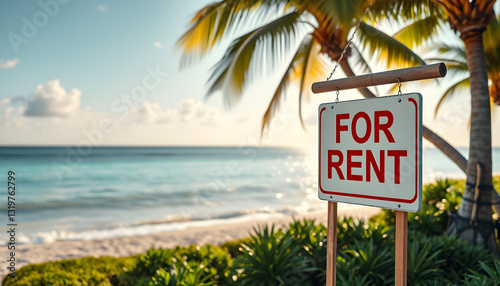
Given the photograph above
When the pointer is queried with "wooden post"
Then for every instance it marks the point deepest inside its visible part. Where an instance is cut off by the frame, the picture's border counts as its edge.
(401, 247)
(404, 75)
(331, 245)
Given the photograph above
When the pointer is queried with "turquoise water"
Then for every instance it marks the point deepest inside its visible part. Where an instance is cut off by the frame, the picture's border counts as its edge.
(69, 193)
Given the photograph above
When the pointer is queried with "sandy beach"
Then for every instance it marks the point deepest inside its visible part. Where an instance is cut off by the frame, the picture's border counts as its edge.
(126, 246)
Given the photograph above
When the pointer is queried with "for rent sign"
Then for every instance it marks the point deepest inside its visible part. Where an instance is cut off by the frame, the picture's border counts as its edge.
(370, 152)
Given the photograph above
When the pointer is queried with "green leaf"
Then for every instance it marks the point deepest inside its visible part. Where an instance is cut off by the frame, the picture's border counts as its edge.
(212, 23)
(390, 50)
(268, 43)
(451, 91)
(419, 31)
(404, 10)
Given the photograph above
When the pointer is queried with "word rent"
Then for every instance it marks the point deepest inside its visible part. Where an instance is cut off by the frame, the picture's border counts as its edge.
(359, 163)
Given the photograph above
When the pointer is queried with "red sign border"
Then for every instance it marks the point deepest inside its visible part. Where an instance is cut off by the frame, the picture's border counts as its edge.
(409, 201)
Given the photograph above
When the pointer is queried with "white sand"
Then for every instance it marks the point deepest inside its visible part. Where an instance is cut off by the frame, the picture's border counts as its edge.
(126, 246)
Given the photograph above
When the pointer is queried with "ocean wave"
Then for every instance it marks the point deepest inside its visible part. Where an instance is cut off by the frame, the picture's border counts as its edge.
(170, 224)
(114, 198)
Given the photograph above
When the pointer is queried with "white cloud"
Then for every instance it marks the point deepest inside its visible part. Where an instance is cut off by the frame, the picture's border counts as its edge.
(151, 113)
(102, 7)
(52, 100)
(190, 110)
(8, 64)
(4, 101)
(158, 44)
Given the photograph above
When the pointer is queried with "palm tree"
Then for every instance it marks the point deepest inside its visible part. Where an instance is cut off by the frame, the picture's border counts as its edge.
(327, 25)
(456, 61)
(470, 20)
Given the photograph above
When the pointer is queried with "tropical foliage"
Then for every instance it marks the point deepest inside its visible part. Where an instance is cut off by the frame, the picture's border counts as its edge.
(315, 32)
(83, 271)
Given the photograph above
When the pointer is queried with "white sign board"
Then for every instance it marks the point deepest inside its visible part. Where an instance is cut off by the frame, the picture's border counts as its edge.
(370, 152)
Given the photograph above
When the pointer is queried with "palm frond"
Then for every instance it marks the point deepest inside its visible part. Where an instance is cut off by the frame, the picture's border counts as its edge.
(202, 34)
(360, 63)
(491, 42)
(454, 67)
(267, 44)
(463, 84)
(279, 94)
(215, 21)
(341, 12)
(307, 66)
(390, 50)
(454, 58)
(311, 68)
(404, 10)
(490, 36)
(453, 52)
(419, 31)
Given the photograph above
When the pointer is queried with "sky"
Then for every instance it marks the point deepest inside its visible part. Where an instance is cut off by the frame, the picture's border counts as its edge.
(108, 73)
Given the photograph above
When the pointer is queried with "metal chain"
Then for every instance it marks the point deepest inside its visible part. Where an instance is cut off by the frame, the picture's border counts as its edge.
(399, 86)
(350, 40)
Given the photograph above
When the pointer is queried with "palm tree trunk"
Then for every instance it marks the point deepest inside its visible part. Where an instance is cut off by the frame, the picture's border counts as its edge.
(479, 167)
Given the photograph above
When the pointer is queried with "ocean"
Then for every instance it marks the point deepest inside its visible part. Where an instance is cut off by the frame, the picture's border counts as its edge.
(72, 193)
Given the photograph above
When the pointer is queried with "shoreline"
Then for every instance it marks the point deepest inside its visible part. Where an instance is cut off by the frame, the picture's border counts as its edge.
(132, 245)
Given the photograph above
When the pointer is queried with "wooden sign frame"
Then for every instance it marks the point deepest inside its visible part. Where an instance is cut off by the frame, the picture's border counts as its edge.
(394, 76)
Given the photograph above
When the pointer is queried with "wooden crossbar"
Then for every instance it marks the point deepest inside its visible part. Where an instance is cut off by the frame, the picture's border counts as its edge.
(404, 75)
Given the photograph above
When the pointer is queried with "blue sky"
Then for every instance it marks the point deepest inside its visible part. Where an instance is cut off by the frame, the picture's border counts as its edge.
(107, 72)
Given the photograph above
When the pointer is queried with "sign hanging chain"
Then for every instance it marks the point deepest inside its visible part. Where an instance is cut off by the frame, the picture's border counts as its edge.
(349, 41)
(399, 86)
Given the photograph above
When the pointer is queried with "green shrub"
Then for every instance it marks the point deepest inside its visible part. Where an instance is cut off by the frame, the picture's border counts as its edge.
(349, 231)
(83, 271)
(423, 263)
(312, 239)
(428, 221)
(271, 258)
(368, 262)
(234, 246)
(385, 217)
(492, 276)
(154, 259)
(438, 199)
(214, 261)
(182, 275)
(211, 262)
(459, 258)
